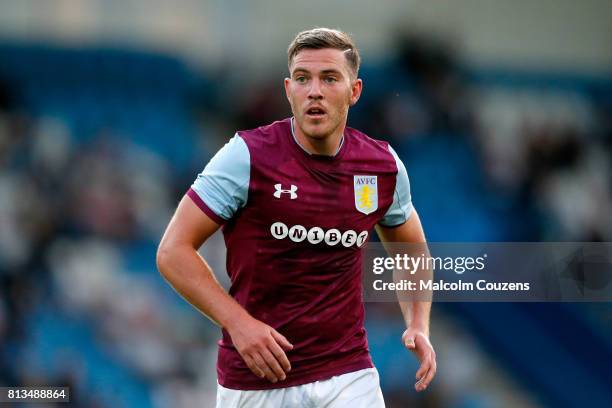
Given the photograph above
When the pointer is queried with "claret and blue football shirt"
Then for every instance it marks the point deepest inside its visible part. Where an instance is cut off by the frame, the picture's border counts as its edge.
(294, 224)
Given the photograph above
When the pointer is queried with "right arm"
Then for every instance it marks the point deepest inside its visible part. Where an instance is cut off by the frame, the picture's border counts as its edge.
(187, 272)
(260, 345)
(222, 187)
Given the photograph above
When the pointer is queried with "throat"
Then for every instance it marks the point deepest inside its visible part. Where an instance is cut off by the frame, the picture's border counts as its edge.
(322, 147)
(328, 145)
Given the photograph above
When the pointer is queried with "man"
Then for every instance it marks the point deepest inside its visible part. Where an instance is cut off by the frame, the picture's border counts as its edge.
(297, 200)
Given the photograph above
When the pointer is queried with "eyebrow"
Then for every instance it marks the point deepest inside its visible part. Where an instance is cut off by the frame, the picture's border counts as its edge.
(325, 71)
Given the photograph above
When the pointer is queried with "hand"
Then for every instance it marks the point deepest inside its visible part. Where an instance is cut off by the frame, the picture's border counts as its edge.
(262, 348)
(418, 342)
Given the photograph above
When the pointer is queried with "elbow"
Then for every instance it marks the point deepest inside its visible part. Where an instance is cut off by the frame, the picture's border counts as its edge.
(162, 260)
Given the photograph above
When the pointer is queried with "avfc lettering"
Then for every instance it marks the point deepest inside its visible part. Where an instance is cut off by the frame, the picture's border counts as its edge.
(315, 235)
(364, 180)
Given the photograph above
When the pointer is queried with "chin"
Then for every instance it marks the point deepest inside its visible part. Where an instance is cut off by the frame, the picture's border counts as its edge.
(316, 132)
(318, 136)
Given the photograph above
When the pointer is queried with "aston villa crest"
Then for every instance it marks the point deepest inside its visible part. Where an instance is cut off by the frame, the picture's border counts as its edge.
(366, 194)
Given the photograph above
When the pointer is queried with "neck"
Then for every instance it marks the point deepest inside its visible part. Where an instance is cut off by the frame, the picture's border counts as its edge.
(325, 146)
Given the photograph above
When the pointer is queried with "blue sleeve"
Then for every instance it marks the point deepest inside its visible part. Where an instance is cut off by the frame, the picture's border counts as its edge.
(223, 186)
(401, 208)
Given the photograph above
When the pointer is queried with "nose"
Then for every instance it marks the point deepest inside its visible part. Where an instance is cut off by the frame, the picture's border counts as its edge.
(314, 92)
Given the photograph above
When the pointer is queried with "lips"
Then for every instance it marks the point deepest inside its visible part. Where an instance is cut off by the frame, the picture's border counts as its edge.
(315, 112)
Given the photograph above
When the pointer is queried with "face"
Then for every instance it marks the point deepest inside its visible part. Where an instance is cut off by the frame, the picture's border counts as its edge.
(320, 91)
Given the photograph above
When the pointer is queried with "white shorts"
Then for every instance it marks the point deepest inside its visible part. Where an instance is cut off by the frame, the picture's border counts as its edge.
(359, 389)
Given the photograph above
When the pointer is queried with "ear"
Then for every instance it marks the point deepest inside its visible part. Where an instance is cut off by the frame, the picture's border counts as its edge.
(356, 88)
(287, 81)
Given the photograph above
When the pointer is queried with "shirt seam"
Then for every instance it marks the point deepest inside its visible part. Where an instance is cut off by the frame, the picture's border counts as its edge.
(247, 183)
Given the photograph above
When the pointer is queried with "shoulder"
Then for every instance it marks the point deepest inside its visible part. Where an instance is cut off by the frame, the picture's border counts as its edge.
(369, 148)
(234, 152)
(265, 135)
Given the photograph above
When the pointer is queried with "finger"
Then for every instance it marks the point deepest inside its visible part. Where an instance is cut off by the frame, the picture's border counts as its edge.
(429, 376)
(423, 383)
(281, 340)
(280, 356)
(273, 364)
(408, 340)
(261, 364)
(425, 372)
(253, 367)
(419, 384)
(425, 365)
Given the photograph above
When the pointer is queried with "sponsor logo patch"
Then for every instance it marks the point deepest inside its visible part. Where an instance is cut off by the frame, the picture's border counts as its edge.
(315, 235)
(278, 191)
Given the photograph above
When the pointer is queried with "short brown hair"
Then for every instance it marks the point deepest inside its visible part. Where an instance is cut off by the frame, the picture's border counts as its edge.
(319, 38)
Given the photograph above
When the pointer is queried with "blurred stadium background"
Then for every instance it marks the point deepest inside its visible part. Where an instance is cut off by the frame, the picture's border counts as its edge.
(502, 112)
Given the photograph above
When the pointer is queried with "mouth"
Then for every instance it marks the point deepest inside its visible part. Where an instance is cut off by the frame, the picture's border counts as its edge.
(315, 112)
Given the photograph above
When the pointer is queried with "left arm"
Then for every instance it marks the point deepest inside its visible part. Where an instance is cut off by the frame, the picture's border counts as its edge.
(416, 313)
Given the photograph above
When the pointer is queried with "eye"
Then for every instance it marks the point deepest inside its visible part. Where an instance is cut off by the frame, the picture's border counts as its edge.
(300, 79)
(331, 79)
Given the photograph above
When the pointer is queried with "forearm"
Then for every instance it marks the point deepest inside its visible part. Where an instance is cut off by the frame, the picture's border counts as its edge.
(416, 315)
(189, 274)
(416, 305)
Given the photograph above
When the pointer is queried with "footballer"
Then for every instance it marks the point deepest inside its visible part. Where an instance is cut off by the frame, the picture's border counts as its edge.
(297, 200)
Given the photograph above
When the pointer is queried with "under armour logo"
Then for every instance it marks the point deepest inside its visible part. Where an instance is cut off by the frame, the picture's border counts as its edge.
(279, 191)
